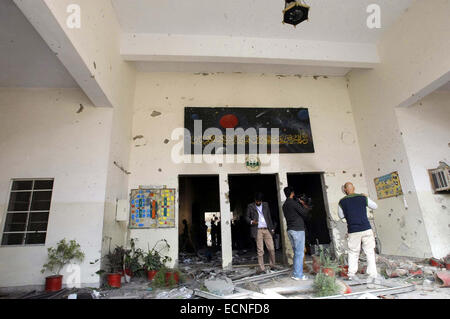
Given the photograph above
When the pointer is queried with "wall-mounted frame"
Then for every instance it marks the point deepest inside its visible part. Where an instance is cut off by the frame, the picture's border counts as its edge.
(152, 208)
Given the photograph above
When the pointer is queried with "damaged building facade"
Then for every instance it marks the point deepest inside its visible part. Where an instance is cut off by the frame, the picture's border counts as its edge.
(102, 124)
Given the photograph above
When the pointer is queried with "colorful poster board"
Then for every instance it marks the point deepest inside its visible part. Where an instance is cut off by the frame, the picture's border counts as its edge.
(388, 186)
(152, 208)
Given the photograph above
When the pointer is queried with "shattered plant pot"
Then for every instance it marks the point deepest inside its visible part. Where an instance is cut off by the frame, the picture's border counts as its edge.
(443, 278)
(436, 263)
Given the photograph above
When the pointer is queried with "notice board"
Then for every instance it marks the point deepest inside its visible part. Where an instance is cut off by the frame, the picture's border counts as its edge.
(388, 186)
(152, 208)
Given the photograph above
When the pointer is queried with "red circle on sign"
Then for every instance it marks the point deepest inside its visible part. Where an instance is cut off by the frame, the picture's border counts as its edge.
(229, 121)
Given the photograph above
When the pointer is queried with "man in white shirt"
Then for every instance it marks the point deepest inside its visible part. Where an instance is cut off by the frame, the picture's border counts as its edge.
(262, 229)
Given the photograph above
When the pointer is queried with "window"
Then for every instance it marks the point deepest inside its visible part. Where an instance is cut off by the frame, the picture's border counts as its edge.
(27, 215)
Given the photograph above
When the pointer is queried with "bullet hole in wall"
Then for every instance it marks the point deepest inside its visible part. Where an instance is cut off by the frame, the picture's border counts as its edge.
(95, 66)
(80, 109)
(159, 170)
(155, 114)
(166, 141)
(343, 172)
(138, 137)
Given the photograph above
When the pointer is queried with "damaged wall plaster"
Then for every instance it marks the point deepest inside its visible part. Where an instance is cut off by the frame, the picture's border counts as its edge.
(328, 103)
(426, 134)
(374, 96)
(45, 138)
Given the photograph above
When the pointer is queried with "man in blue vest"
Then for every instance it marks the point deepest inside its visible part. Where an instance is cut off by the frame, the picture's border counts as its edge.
(353, 208)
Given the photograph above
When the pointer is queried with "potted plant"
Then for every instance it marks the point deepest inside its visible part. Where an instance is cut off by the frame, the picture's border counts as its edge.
(343, 266)
(153, 260)
(325, 285)
(115, 262)
(64, 253)
(166, 277)
(328, 265)
(133, 259)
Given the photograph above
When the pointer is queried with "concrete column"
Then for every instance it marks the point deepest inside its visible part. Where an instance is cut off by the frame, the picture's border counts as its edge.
(287, 248)
(225, 218)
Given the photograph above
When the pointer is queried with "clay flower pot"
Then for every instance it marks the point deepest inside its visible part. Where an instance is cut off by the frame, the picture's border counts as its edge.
(115, 280)
(53, 283)
(170, 274)
(344, 271)
(151, 274)
(316, 264)
(328, 272)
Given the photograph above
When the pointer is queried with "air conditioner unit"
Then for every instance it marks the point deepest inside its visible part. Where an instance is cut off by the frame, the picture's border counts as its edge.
(440, 177)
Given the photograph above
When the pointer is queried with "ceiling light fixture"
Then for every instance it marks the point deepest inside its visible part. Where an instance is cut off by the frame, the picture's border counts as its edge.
(295, 12)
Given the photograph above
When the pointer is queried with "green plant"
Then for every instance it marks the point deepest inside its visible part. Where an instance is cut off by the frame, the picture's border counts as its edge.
(325, 285)
(326, 261)
(115, 259)
(159, 281)
(153, 260)
(133, 258)
(64, 253)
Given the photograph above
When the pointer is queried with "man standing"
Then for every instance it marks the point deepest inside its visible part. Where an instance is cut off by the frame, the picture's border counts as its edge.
(296, 213)
(353, 208)
(261, 229)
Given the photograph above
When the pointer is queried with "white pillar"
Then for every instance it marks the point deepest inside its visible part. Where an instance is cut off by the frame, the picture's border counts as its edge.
(287, 248)
(225, 218)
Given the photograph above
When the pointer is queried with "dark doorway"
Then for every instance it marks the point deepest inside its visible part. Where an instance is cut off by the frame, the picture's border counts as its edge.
(311, 184)
(199, 194)
(242, 191)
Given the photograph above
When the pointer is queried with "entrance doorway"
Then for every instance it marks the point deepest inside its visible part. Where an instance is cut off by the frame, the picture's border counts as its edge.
(242, 192)
(312, 185)
(199, 200)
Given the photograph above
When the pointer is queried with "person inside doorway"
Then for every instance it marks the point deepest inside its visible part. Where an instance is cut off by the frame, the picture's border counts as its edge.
(353, 208)
(262, 230)
(296, 213)
(214, 231)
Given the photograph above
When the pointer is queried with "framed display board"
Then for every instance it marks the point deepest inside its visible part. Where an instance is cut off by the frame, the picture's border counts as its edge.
(152, 208)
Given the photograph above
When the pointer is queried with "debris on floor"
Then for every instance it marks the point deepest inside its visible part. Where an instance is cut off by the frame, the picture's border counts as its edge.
(203, 277)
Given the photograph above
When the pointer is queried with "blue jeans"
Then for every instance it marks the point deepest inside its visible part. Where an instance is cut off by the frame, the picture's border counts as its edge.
(297, 239)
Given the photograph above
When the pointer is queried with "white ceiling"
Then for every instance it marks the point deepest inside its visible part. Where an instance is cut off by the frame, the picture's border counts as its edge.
(335, 22)
(25, 59)
(330, 20)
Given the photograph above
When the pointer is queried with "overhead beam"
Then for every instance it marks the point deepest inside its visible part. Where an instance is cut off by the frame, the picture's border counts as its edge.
(47, 25)
(188, 48)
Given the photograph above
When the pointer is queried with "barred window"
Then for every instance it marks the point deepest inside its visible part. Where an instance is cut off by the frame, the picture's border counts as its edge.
(27, 213)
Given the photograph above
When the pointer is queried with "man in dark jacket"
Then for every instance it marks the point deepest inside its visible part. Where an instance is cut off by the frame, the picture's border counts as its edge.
(296, 213)
(261, 229)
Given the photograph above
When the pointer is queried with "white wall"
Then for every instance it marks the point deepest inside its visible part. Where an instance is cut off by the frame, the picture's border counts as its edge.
(414, 57)
(426, 134)
(335, 141)
(43, 136)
